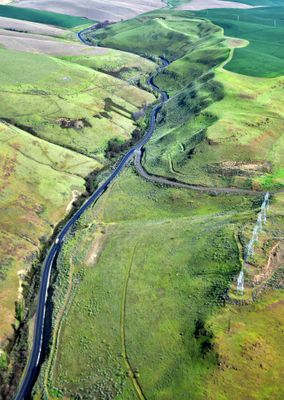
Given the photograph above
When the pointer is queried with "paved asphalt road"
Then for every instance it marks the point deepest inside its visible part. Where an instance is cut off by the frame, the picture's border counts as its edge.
(32, 367)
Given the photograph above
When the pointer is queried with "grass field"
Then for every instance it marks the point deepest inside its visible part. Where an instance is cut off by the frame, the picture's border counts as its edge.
(126, 66)
(31, 206)
(250, 350)
(264, 29)
(240, 147)
(57, 94)
(151, 267)
(147, 307)
(43, 17)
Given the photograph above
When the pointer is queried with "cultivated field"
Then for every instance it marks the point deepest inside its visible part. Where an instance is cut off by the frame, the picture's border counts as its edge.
(203, 5)
(44, 44)
(43, 17)
(11, 24)
(113, 10)
(264, 29)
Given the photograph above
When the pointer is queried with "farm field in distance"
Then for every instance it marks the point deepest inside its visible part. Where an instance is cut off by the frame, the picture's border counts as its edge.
(112, 10)
(170, 284)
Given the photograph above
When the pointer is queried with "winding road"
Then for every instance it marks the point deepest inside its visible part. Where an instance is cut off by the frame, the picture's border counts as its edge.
(161, 180)
(32, 367)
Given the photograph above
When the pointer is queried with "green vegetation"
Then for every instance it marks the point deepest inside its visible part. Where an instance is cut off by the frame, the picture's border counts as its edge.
(67, 104)
(126, 66)
(57, 120)
(33, 205)
(207, 133)
(43, 17)
(142, 316)
(143, 279)
(250, 351)
(263, 28)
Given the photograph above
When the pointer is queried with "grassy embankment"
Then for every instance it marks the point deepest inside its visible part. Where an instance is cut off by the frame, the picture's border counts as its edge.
(248, 338)
(145, 316)
(220, 144)
(65, 103)
(67, 114)
(250, 348)
(122, 65)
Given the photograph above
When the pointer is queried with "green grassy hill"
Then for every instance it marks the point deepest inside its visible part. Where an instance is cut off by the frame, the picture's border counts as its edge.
(67, 104)
(56, 120)
(207, 133)
(37, 180)
(139, 298)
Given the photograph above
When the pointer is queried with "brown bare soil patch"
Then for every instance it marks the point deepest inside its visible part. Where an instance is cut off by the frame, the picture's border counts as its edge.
(264, 141)
(247, 96)
(235, 43)
(231, 168)
(95, 250)
(275, 260)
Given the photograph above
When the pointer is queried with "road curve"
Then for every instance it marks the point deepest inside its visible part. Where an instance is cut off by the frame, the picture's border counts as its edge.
(32, 367)
(31, 370)
(161, 180)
